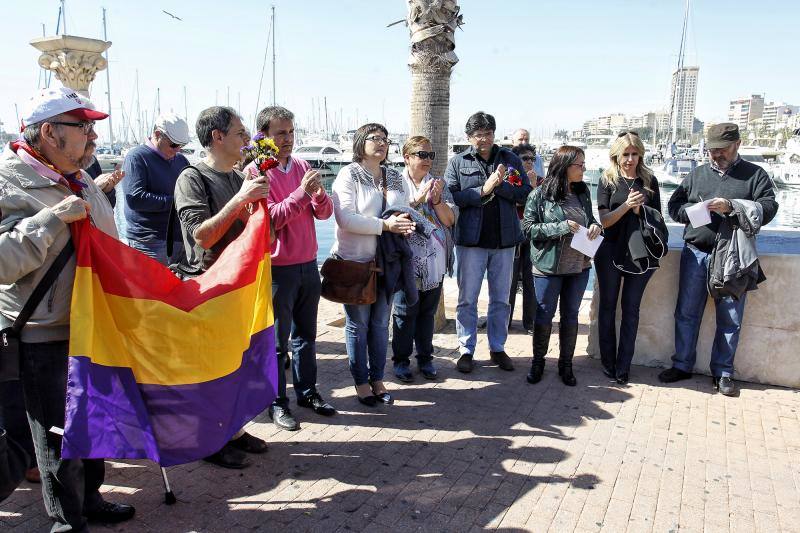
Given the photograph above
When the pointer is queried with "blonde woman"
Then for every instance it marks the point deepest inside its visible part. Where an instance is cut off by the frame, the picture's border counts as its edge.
(629, 205)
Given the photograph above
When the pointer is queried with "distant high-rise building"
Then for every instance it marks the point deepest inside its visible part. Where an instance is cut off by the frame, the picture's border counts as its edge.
(683, 97)
(745, 110)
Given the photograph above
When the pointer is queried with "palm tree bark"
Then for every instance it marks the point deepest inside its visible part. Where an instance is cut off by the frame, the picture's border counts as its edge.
(432, 24)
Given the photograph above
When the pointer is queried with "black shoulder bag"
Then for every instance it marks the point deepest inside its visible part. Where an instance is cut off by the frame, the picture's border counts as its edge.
(9, 337)
(180, 267)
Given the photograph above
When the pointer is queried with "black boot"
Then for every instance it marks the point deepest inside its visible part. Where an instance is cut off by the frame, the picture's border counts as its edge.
(567, 336)
(541, 340)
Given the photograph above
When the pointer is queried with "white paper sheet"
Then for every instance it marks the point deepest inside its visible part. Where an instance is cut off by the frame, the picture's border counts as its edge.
(699, 214)
(581, 242)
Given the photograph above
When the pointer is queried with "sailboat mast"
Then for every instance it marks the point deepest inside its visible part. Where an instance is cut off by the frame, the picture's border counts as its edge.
(108, 85)
(64, 16)
(273, 55)
(679, 76)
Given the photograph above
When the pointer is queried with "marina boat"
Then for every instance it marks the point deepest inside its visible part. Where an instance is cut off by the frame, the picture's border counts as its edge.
(318, 153)
(672, 171)
(787, 169)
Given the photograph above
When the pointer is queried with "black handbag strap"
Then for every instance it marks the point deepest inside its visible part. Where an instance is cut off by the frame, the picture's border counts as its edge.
(44, 285)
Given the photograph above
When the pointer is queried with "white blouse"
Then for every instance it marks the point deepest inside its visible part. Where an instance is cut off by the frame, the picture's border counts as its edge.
(357, 202)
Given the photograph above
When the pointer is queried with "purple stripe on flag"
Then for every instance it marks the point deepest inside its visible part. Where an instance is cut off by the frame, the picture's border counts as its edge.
(109, 415)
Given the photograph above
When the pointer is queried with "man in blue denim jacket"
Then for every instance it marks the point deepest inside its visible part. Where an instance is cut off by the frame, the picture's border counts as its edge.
(487, 182)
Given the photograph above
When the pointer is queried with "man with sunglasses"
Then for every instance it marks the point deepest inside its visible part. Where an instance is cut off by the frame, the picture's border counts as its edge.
(42, 191)
(487, 233)
(151, 171)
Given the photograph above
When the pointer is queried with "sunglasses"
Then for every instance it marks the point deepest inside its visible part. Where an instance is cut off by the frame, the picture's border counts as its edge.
(176, 145)
(422, 154)
(624, 133)
(528, 158)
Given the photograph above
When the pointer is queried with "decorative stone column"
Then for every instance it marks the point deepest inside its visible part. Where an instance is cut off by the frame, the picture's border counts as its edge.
(75, 60)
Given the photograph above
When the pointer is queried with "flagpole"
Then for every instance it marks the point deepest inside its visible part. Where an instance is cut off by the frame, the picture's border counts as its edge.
(169, 496)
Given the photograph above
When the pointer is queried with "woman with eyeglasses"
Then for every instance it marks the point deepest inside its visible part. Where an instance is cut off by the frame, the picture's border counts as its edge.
(413, 324)
(554, 212)
(361, 192)
(629, 205)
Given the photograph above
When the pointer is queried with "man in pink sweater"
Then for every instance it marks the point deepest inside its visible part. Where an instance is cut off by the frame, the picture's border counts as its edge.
(296, 198)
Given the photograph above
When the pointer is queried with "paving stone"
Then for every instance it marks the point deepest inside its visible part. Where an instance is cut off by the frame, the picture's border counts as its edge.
(488, 451)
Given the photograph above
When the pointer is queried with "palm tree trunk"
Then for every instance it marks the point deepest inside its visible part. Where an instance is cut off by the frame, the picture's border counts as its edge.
(432, 24)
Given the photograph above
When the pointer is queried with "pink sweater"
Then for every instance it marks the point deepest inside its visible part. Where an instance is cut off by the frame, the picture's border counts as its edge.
(292, 212)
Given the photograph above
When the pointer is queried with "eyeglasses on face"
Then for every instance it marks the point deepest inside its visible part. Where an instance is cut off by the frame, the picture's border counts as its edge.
(422, 154)
(84, 125)
(377, 139)
(483, 135)
(581, 165)
(624, 133)
(528, 158)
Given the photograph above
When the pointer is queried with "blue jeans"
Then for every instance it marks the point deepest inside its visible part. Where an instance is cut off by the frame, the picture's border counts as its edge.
(295, 302)
(692, 297)
(472, 264)
(414, 324)
(609, 282)
(156, 248)
(565, 291)
(70, 487)
(366, 335)
(522, 269)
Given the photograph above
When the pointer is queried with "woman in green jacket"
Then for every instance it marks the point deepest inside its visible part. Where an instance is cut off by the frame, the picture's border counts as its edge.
(554, 212)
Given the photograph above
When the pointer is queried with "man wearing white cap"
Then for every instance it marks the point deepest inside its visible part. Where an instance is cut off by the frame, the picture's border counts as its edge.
(151, 171)
(42, 191)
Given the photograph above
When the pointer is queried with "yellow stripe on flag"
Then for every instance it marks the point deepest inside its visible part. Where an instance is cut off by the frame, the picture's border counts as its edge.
(203, 344)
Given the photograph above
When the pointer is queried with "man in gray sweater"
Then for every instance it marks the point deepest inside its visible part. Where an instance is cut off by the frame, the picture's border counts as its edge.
(726, 178)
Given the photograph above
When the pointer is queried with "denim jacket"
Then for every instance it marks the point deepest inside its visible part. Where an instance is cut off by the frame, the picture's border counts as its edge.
(465, 177)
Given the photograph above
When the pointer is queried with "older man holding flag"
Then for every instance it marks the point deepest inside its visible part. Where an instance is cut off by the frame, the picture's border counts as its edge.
(42, 191)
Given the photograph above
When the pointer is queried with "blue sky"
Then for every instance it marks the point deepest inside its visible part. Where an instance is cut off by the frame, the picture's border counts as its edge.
(540, 64)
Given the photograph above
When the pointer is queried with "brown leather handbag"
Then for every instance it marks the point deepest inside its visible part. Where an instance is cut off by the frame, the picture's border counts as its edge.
(352, 282)
(349, 282)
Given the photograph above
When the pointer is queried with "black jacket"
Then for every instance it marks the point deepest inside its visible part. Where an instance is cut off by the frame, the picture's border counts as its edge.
(641, 242)
(395, 258)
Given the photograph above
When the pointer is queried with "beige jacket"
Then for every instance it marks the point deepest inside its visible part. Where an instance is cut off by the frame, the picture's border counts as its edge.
(31, 237)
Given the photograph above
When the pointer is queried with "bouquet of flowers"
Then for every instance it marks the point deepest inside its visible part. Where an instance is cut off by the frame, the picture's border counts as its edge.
(262, 151)
(513, 177)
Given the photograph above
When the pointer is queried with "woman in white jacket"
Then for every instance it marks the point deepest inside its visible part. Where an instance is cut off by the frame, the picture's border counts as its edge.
(360, 191)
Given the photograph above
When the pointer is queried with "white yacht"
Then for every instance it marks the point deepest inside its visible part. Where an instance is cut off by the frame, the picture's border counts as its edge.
(672, 171)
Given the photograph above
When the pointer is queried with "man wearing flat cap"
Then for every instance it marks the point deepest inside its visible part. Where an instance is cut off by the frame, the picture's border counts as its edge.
(42, 191)
(727, 177)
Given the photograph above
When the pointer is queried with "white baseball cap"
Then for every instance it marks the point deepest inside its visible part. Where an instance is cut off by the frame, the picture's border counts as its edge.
(174, 127)
(50, 102)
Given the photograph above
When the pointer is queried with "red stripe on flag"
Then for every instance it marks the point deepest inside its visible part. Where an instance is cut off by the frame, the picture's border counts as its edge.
(126, 272)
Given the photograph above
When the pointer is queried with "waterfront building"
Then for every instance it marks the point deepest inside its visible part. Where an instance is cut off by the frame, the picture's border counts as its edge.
(743, 111)
(777, 114)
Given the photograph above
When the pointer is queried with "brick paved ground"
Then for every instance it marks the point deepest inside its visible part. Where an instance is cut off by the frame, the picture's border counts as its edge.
(489, 451)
